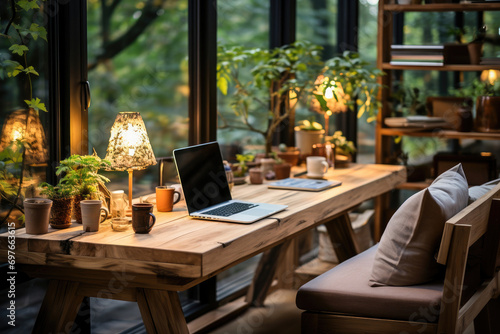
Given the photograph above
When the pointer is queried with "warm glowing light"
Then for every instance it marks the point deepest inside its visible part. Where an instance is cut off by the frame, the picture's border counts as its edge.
(329, 93)
(490, 75)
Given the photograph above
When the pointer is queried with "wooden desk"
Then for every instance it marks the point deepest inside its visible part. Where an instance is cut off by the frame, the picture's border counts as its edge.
(181, 252)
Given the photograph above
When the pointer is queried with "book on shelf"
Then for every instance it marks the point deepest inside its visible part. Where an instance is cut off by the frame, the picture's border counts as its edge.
(404, 47)
(490, 61)
(416, 63)
(423, 122)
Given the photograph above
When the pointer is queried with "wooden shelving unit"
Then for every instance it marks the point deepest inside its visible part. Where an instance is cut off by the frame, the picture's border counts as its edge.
(384, 134)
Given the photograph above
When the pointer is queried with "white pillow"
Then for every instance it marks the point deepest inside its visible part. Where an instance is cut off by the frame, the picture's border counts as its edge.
(478, 191)
(405, 255)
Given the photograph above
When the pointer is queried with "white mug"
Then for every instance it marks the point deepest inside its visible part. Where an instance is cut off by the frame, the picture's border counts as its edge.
(316, 166)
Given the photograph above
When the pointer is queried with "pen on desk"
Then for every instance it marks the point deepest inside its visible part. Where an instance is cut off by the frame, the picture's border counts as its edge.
(300, 174)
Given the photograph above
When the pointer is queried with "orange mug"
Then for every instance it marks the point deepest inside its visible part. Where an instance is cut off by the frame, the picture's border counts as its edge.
(165, 198)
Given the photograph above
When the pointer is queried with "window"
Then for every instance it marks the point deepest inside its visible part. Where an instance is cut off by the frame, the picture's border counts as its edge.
(24, 138)
(137, 61)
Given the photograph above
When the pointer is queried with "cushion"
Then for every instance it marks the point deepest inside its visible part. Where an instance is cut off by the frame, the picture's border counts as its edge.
(478, 191)
(345, 289)
(412, 237)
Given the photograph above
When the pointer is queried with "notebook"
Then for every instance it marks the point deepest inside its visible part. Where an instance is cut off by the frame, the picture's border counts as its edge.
(304, 184)
(206, 191)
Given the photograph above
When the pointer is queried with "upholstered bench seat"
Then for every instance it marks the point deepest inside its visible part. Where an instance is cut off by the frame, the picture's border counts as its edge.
(345, 289)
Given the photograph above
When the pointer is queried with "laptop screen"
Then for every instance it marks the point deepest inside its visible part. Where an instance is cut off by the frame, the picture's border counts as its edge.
(202, 176)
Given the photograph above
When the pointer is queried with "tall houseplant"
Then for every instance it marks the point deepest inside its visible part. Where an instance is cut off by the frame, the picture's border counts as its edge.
(268, 97)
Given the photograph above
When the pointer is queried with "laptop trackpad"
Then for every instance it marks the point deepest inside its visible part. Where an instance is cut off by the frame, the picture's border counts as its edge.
(256, 212)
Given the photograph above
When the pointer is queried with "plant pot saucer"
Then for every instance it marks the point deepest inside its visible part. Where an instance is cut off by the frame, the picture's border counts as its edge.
(60, 226)
(239, 180)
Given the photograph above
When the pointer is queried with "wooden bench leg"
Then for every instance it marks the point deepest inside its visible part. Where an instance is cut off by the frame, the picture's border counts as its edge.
(342, 237)
(161, 311)
(59, 308)
(264, 274)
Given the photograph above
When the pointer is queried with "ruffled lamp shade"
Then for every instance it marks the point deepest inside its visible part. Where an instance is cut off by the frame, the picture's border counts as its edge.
(129, 147)
(25, 125)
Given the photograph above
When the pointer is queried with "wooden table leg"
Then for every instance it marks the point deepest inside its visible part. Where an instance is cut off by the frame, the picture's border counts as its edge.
(264, 274)
(59, 308)
(342, 237)
(161, 311)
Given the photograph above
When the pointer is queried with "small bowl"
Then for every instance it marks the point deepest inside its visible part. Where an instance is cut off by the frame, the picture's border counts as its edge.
(120, 224)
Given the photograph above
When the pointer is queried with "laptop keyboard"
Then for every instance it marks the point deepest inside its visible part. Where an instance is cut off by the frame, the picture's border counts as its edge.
(230, 209)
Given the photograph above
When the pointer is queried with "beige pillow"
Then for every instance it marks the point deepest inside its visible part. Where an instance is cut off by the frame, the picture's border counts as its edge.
(405, 255)
(478, 191)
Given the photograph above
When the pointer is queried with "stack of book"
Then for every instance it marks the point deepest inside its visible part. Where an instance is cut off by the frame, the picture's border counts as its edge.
(417, 55)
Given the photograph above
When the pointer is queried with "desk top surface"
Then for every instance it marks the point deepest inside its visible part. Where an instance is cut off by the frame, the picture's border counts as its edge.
(185, 247)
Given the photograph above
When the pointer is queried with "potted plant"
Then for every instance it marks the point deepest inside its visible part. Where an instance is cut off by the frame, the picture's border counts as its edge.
(343, 149)
(288, 154)
(82, 173)
(62, 196)
(281, 168)
(308, 133)
(485, 92)
(476, 46)
(268, 97)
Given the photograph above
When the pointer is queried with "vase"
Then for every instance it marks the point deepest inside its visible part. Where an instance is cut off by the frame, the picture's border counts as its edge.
(256, 175)
(475, 52)
(488, 114)
(60, 215)
(304, 140)
(37, 214)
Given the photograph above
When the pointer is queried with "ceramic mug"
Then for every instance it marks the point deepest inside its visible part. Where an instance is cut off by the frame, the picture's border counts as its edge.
(143, 218)
(316, 166)
(165, 198)
(91, 214)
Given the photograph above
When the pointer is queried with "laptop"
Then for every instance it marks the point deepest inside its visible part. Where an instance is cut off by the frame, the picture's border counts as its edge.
(206, 191)
(304, 184)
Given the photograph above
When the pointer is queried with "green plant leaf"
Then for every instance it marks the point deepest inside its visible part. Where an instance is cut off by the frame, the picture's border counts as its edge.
(30, 70)
(19, 49)
(28, 4)
(37, 31)
(18, 69)
(36, 104)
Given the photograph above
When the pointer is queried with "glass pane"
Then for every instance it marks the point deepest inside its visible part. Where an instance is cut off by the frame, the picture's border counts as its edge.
(24, 136)
(248, 31)
(368, 11)
(137, 56)
(317, 23)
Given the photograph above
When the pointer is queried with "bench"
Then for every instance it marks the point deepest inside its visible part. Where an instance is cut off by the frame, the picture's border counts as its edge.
(342, 301)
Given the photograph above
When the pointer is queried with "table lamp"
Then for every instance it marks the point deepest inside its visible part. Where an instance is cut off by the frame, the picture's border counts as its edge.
(330, 98)
(23, 127)
(129, 147)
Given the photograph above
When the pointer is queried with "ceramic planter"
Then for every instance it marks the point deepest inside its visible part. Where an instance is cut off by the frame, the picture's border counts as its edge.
(304, 140)
(475, 52)
(60, 216)
(488, 114)
(37, 213)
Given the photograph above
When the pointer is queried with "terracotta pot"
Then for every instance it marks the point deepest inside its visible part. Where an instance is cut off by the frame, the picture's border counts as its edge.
(60, 215)
(292, 157)
(37, 213)
(488, 114)
(256, 176)
(282, 171)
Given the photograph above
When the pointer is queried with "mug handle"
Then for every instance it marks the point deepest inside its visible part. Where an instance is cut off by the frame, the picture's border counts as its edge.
(325, 165)
(106, 214)
(154, 221)
(178, 196)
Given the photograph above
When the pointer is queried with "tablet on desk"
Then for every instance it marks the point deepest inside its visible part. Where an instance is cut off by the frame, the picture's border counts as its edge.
(304, 184)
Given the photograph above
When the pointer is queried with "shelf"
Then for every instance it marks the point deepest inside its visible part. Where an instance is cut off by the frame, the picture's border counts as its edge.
(463, 68)
(447, 134)
(445, 7)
